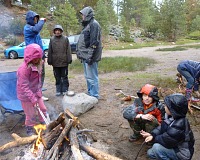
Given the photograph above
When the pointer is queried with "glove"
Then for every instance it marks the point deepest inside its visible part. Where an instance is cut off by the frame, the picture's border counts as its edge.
(89, 61)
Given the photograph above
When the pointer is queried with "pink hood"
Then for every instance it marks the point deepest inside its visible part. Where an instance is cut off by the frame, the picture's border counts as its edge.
(31, 52)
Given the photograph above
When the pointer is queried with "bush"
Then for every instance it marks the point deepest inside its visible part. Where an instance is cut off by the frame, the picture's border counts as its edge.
(194, 35)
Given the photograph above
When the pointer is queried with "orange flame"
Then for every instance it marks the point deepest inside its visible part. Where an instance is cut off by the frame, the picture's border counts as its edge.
(38, 128)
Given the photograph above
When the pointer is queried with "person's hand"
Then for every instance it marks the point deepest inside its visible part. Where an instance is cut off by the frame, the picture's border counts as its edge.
(145, 134)
(43, 19)
(148, 117)
(148, 137)
(89, 61)
(35, 105)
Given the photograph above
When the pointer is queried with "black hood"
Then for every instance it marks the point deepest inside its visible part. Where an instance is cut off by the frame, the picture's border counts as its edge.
(177, 105)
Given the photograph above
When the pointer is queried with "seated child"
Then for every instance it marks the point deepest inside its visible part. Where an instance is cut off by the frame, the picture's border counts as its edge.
(173, 139)
(146, 111)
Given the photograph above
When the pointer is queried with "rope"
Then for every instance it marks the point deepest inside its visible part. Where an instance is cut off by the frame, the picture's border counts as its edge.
(140, 149)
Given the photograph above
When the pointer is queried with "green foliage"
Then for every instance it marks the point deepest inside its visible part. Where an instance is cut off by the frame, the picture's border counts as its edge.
(101, 9)
(121, 64)
(65, 15)
(195, 24)
(45, 32)
(194, 35)
(172, 19)
(17, 27)
(40, 7)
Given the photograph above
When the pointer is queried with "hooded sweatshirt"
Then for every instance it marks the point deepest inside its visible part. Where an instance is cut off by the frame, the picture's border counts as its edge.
(29, 76)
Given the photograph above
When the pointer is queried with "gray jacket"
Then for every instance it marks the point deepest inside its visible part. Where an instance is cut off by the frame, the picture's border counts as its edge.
(89, 44)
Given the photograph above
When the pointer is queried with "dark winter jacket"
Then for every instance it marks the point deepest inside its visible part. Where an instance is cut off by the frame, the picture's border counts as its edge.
(193, 68)
(175, 132)
(32, 30)
(59, 53)
(89, 44)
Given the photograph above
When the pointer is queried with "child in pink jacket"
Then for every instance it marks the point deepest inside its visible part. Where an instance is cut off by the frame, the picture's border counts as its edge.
(29, 86)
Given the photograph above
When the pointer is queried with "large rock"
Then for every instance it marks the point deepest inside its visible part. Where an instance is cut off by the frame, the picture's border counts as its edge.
(79, 103)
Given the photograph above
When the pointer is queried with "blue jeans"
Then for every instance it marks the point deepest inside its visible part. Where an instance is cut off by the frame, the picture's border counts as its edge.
(161, 153)
(91, 76)
(188, 77)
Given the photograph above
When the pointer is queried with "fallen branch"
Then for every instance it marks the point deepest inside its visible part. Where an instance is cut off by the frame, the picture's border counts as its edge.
(18, 141)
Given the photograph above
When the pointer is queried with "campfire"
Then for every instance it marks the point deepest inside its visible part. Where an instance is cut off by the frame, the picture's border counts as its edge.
(62, 139)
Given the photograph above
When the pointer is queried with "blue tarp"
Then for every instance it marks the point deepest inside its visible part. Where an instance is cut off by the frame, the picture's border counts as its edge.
(8, 93)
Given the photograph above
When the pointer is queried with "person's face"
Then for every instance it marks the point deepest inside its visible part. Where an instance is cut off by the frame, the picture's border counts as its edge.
(167, 110)
(83, 17)
(36, 61)
(35, 19)
(57, 32)
(146, 99)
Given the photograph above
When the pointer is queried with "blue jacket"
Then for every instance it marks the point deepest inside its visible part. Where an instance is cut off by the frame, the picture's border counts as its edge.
(32, 30)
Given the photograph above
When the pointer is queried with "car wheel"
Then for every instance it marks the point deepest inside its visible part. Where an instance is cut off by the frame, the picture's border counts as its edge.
(13, 55)
(46, 53)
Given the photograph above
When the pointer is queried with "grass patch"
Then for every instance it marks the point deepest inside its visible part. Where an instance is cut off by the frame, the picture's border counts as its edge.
(121, 64)
(177, 48)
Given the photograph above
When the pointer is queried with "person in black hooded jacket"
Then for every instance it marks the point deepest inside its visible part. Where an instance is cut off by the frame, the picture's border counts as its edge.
(173, 139)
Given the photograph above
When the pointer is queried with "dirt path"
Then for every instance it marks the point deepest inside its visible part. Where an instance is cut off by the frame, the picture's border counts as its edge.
(105, 119)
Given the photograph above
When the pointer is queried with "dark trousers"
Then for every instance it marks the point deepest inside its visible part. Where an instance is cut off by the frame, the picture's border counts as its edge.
(61, 76)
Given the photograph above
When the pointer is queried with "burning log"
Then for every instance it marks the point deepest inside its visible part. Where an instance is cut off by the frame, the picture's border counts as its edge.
(60, 138)
(18, 141)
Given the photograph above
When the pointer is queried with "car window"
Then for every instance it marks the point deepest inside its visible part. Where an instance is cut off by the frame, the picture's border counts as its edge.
(71, 39)
(45, 41)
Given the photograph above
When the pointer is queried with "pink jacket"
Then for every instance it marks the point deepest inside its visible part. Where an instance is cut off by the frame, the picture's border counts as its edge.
(29, 76)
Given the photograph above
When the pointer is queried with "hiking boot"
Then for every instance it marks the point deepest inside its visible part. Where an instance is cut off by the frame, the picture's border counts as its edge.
(45, 98)
(30, 130)
(58, 93)
(133, 138)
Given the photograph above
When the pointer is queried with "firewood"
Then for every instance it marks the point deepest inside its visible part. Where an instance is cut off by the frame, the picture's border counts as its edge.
(18, 141)
(97, 154)
(60, 138)
(55, 123)
(69, 114)
(49, 138)
(74, 144)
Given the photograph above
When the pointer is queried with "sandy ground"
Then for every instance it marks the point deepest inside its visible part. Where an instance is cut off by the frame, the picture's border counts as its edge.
(111, 129)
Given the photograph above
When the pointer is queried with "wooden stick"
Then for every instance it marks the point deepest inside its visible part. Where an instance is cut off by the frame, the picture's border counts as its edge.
(69, 114)
(60, 138)
(18, 141)
(97, 154)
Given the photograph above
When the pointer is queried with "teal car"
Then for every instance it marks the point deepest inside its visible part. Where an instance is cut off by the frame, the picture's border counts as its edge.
(15, 52)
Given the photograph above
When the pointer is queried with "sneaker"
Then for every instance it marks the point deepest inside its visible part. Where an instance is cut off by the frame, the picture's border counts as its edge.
(58, 93)
(30, 130)
(133, 138)
(45, 98)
